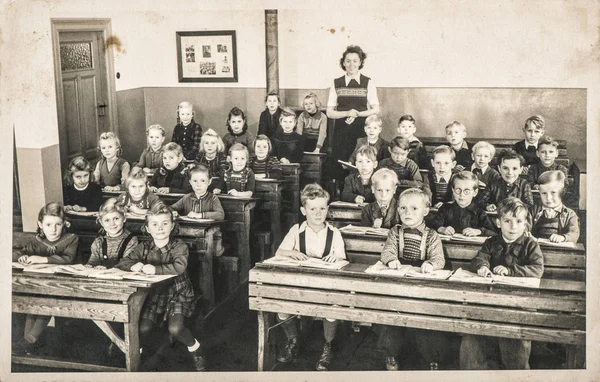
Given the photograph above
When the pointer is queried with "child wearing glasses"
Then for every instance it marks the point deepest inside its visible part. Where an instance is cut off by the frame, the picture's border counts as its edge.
(462, 215)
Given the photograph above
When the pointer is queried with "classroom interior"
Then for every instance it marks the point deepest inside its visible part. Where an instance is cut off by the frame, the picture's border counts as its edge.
(488, 66)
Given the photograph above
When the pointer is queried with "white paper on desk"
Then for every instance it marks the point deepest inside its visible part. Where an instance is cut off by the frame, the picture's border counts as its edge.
(313, 262)
(40, 268)
(17, 265)
(459, 237)
(466, 276)
(135, 276)
(378, 232)
(282, 260)
(82, 213)
(188, 219)
(565, 244)
(380, 269)
(74, 269)
(339, 203)
(355, 229)
(463, 275)
(439, 274)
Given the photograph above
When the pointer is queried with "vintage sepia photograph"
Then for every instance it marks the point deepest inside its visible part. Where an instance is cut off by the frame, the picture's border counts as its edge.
(391, 190)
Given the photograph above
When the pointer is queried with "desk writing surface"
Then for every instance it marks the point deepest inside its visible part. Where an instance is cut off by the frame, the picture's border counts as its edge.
(358, 270)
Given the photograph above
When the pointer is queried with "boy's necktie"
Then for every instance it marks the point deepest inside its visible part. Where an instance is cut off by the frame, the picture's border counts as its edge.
(477, 171)
(383, 210)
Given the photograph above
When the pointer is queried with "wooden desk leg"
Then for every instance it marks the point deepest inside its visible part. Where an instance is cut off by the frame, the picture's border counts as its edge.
(207, 281)
(132, 332)
(275, 231)
(266, 351)
(243, 237)
(575, 357)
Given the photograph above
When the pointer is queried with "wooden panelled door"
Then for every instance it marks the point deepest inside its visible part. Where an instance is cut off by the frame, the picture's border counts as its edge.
(83, 94)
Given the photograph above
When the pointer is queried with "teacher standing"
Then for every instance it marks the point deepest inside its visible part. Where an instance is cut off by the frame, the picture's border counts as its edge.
(352, 98)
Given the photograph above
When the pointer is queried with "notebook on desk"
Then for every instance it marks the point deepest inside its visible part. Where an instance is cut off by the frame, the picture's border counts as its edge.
(463, 275)
(311, 262)
(459, 237)
(565, 244)
(407, 271)
(82, 213)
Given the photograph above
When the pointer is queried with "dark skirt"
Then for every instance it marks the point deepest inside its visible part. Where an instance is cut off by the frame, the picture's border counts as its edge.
(342, 145)
(177, 297)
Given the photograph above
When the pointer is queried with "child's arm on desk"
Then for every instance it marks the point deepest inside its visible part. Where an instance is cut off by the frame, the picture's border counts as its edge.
(389, 255)
(286, 248)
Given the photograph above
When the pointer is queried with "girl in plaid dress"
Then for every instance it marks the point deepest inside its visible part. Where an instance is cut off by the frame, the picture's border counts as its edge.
(173, 302)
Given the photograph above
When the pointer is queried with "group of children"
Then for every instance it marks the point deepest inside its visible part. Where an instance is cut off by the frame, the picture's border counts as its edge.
(461, 186)
(464, 190)
(117, 247)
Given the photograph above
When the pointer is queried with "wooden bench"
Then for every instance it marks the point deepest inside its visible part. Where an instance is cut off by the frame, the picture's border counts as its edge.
(554, 312)
(559, 262)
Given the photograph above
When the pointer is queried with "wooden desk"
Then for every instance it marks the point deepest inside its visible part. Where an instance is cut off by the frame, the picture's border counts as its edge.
(101, 301)
(238, 215)
(291, 192)
(341, 214)
(312, 165)
(268, 191)
(559, 263)
(202, 237)
(352, 295)
(238, 212)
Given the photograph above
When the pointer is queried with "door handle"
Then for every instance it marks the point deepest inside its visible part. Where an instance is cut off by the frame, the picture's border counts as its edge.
(102, 109)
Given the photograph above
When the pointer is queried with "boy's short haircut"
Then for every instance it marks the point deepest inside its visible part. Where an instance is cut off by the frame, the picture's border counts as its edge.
(466, 175)
(515, 207)
(510, 154)
(418, 192)
(315, 99)
(79, 163)
(239, 147)
(368, 151)
(111, 205)
(198, 168)
(552, 176)
(384, 174)
(484, 145)
(262, 137)
(211, 133)
(172, 146)
(407, 117)
(159, 208)
(457, 124)
(443, 149)
(313, 191)
(547, 140)
(135, 174)
(275, 94)
(537, 121)
(373, 118)
(287, 112)
(155, 127)
(400, 142)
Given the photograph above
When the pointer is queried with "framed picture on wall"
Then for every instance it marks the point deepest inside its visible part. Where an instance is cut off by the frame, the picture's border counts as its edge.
(208, 56)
